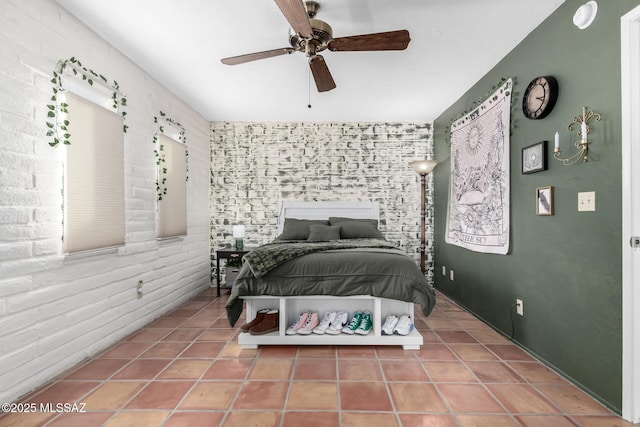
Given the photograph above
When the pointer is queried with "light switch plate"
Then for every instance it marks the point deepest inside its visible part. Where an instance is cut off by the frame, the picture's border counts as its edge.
(587, 201)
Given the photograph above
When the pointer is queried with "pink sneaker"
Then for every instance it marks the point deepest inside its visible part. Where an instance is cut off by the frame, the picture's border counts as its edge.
(310, 324)
(293, 329)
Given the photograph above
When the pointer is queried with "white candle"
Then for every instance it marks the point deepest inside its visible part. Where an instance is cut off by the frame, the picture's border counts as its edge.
(557, 140)
(584, 130)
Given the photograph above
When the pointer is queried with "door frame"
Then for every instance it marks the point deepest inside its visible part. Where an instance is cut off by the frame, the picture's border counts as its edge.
(630, 78)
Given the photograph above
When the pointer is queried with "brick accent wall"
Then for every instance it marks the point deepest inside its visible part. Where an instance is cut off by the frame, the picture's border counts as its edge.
(256, 165)
(56, 310)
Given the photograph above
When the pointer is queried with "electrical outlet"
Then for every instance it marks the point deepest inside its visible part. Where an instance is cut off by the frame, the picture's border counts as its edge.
(587, 201)
(444, 270)
(451, 275)
(519, 307)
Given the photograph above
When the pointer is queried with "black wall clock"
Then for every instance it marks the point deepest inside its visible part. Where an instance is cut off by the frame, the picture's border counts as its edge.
(540, 97)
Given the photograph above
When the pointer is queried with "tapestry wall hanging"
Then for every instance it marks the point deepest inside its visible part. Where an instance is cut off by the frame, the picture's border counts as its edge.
(478, 211)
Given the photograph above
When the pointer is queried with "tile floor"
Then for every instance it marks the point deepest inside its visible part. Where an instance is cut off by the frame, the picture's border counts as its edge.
(186, 369)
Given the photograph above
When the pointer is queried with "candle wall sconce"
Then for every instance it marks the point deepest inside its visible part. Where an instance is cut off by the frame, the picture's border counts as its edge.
(583, 144)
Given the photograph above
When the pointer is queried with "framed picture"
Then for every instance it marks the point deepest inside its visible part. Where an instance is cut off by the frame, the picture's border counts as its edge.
(544, 201)
(534, 157)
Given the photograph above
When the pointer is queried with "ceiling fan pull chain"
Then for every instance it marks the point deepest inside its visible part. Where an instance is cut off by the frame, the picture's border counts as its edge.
(309, 86)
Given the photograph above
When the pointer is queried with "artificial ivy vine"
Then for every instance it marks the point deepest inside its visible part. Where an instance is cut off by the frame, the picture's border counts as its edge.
(482, 100)
(59, 129)
(161, 180)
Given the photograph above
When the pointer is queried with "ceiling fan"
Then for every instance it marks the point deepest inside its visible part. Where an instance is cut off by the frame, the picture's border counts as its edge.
(311, 36)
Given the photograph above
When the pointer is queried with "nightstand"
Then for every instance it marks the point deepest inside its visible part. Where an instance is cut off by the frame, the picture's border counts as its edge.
(227, 253)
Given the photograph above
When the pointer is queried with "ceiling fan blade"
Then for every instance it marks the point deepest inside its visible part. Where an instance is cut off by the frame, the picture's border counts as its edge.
(390, 40)
(241, 59)
(296, 15)
(321, 74)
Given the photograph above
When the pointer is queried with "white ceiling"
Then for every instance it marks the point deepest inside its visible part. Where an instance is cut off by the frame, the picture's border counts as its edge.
(180, 43)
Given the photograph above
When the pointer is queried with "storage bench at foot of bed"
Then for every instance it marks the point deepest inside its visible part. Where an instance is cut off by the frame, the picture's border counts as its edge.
(290, 308)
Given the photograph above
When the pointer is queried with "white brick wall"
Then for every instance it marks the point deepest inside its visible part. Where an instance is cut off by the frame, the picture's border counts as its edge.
(255, 165)
(54, 312)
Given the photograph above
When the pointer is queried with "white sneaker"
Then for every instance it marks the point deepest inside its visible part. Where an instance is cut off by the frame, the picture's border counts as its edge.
(310, 324)
(404, 326)
(389, 324)
(341, 319)
(293, 329)
(328, 318)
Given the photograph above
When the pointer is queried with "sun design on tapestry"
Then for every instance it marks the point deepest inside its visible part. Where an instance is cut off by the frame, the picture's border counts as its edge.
(479, 194)
(476, 145)
(474, 153)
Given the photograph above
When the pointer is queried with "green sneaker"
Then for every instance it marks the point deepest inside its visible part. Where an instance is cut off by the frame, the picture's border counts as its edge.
(353, 325)
(365, 324)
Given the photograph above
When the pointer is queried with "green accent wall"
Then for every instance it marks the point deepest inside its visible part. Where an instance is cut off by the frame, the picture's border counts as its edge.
(567, 268)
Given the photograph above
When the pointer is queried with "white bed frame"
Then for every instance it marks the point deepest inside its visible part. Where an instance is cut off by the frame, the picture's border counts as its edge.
(291, 306)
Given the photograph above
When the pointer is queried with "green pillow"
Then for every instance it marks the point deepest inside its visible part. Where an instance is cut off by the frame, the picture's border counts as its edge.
(323, 233)
(298, 229)
(355, 228)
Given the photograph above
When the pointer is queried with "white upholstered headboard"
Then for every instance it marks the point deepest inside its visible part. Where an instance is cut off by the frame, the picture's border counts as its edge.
(323, 210)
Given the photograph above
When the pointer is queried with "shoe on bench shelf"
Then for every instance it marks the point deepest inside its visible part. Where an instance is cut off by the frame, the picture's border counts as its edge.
(328, 318)
(270, 323)
(293, 329)
(310, 324)
(259, 316)
(354, 324)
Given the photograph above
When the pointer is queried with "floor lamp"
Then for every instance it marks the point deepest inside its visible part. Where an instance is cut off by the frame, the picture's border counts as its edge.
(423, 167)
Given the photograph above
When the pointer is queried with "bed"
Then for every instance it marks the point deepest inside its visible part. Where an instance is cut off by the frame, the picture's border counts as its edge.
(318, 271)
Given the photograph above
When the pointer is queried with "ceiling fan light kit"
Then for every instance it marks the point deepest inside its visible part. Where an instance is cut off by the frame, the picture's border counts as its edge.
(311, 36)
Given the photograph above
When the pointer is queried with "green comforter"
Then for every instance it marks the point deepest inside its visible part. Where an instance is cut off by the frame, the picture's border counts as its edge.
(269, 256)
(350, 267)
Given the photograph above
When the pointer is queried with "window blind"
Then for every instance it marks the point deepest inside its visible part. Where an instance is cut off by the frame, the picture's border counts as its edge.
(172, 209)
(94, 177)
